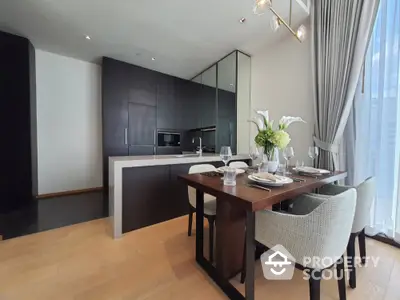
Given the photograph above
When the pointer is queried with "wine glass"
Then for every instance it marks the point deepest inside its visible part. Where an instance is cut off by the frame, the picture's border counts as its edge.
(288, 153)
(225, 154)
(254, 153)
(312, 153)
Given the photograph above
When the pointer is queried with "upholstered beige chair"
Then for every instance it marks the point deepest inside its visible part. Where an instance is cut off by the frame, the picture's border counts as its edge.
(319, 226)
(365, 195)
(210, 206)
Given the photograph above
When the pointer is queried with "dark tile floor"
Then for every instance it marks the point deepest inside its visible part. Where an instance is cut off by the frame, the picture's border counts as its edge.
(50, 213)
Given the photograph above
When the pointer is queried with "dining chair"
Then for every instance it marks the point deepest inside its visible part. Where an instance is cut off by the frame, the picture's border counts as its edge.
(210, 206)
(238, 165)
(365, 196)
(319, 226)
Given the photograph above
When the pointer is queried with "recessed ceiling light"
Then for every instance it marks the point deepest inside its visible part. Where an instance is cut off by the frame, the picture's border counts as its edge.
(153, 58)
(87, 37)
(242, 20)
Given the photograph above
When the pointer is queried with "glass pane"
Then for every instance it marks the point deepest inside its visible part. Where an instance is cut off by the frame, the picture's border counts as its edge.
(226, 108)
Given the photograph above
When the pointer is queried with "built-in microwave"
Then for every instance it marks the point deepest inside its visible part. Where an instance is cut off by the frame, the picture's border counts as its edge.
(169, 139)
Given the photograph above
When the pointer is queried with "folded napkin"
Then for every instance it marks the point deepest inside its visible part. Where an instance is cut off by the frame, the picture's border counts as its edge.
(266, 176)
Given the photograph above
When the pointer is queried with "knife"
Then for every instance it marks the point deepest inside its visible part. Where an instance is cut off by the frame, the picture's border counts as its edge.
(259, 187)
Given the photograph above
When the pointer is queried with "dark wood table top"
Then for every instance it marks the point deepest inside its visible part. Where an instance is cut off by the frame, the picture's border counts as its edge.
(250, 198)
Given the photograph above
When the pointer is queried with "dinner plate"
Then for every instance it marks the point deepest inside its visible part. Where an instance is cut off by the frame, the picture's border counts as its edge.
(238, 171)
(310, 170)
(280, 182)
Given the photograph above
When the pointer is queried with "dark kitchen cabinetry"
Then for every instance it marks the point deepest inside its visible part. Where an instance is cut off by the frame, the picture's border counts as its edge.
(154, 194)
(227, 121)
(208, 111)
(115, 87)
(170, 101)
(18, 149)
(137, 103)
(142, 125)
(145, 197)
(190, 95)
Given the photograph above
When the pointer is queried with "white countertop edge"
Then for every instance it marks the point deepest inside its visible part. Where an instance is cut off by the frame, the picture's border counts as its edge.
(160, 160)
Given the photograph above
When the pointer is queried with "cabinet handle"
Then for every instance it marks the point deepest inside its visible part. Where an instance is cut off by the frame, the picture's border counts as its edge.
(154, 148)
(126, 136)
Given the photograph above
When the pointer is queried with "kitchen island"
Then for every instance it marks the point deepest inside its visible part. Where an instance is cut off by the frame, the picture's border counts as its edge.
(144, 190)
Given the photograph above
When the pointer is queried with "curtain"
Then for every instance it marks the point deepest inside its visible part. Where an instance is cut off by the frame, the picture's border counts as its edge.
(376, 121)
(340, 34)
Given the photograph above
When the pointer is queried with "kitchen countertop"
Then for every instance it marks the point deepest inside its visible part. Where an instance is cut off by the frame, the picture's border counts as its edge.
(158, 160)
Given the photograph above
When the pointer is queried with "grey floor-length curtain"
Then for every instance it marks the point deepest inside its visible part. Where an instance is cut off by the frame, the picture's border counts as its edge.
(341, 30)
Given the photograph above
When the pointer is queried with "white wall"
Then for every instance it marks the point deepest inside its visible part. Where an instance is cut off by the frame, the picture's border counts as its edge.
(282, 84)
(69, 123)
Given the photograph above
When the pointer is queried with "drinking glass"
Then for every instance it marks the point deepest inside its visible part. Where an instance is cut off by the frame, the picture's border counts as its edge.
(282, 169)
(230, 176)
(225, 154)
(288, 153)
(312, 153)
(299, 164)
(254, 153)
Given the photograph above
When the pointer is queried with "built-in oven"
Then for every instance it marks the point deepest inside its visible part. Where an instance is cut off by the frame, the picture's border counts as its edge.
(169, 139)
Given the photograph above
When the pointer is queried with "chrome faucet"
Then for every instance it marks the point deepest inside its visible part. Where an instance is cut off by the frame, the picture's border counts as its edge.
(201, 147)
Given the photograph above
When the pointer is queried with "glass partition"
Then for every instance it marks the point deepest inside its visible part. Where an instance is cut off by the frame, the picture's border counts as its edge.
(226, 103)
(243, 104)
(223, 97)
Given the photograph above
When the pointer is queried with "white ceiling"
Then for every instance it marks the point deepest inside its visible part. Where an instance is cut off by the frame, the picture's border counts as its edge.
(185, 36)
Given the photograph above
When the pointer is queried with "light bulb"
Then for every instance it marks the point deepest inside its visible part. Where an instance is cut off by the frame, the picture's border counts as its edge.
(261, 6)
(301, 33)
(275, 23)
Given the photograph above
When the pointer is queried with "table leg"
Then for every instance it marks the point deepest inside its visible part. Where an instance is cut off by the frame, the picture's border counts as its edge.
(230, 228)
(199, 225)
(250, 249)
(221, 281)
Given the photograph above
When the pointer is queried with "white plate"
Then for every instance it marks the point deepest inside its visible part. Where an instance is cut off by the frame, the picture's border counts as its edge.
(282, 180)
(238, 171)
(309, 170)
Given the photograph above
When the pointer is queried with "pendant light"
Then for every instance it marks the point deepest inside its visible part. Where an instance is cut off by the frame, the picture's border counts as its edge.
(261, 6)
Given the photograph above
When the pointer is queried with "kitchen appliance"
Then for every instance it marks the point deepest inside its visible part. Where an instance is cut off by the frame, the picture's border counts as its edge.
(169, 139)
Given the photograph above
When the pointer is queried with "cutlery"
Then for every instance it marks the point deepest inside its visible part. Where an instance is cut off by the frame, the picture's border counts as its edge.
(259, 187)
(295, 179)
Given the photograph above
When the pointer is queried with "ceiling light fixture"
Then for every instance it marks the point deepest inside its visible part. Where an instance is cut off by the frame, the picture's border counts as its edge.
(261, 6)
(153, 58)
(275, 23)
(242, 20)
(87, 37)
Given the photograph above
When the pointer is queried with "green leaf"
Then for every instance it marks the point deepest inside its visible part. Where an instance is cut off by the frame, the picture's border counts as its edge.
(258, 128)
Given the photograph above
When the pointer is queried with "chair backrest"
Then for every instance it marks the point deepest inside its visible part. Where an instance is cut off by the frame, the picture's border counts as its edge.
(365, 196)
(238, 164)
(193, 170)
(330, 226)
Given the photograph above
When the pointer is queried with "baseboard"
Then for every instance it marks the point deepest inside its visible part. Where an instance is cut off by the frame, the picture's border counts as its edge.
(384, 239)
(68, 193)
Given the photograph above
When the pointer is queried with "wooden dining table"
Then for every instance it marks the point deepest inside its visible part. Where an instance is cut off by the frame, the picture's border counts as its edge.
(235, 222)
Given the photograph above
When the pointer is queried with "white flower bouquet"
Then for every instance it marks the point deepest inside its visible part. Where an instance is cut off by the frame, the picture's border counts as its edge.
(270, 138)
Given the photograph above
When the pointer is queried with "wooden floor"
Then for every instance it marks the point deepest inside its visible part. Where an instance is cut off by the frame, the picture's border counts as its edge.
(83, 262)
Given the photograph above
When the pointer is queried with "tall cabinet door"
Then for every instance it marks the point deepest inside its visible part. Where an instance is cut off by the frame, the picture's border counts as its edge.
(142, 128)
(115, 84)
